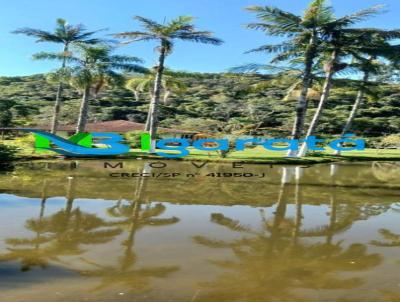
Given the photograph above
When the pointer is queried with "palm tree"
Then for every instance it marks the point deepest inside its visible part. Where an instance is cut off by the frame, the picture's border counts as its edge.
(94, 68)
(66, 35)
(137, 85)
(170, 84)
(341, 41)
(97, 69)
(304, 40)
(180, 28)
(369, 66)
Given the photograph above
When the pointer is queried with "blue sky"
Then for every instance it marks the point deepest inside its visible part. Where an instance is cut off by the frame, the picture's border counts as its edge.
(224, 17)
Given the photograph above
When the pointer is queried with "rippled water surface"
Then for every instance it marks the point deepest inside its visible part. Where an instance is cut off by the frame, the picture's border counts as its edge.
(76, 231)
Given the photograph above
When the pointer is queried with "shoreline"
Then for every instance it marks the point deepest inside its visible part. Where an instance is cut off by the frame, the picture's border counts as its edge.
(311, 160)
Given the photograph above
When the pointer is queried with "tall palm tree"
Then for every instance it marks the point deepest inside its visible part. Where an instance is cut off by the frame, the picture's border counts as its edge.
(367, 66)
(67, 35)
(180, 28)
(303, 33)
(370, 65)
(341, 41)
(94, 67)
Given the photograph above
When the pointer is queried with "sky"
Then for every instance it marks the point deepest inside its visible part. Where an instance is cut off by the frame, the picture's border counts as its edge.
(226, 18)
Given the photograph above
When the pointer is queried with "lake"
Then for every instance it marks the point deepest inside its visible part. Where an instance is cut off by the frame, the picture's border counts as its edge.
(178, 231)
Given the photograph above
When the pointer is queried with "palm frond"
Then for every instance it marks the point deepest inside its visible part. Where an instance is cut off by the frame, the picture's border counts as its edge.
(253, 67)
(149, 24)
(86, 39)
(130, 68)
(357, 17)
(55, 57)
(373, 33)
(273, 48)
(182, 23)
(125, 59)
(285, 56)
(282, 20)
(317, 13)
(41, 35)
(63, 33)
(260, 26)
(136, 35)
(213, 243)
(204, 37)
(229, 223)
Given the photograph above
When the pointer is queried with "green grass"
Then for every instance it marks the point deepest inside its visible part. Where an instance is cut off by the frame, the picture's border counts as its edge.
(260, 155)
(256, 155)
(25, 148)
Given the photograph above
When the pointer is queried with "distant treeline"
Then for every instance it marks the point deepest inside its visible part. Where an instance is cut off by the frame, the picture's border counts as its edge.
(225, 103)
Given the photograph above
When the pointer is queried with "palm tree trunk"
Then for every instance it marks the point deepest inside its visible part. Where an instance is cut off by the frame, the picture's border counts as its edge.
(84, 111)
(147, 125)
(324, 98)
(334, 205)
(44, 199)
(302, 104)
(332, 221)
(356, 106)
(136, 94)
(281, 206)
(167, 93)
(299, 205)
(70, 197)
(57, 105)
(155, 100)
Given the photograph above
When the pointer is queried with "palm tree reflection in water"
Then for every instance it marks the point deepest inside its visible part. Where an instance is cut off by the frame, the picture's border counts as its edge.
(133, 216)
(63, 234)
(60, 234)
(274, 262)
(283, 258)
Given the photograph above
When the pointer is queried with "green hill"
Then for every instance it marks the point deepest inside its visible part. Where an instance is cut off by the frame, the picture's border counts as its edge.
(213, 102)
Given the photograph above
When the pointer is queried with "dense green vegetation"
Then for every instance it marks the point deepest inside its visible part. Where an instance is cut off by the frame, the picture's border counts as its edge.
(7, 154)
(212, 102)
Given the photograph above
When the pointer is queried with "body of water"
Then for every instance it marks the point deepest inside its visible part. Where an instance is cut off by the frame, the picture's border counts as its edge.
(180, 231)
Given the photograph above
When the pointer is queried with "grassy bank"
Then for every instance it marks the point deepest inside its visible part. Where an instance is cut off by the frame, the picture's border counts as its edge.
(259, 155)
(256, 155)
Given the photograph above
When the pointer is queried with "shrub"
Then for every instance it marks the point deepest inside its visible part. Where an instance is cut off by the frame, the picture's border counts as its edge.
(391, 141)
(7, 153)
(133, 138)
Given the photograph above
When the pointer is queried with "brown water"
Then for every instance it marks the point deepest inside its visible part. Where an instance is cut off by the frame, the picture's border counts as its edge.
(70, 231)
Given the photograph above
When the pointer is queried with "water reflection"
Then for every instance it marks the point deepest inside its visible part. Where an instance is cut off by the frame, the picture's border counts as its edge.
(59, 234)
(270, 266)
(324, 233)
(132, 217)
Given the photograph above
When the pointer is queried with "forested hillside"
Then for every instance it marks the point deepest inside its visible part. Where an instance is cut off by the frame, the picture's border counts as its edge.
(229, 103)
